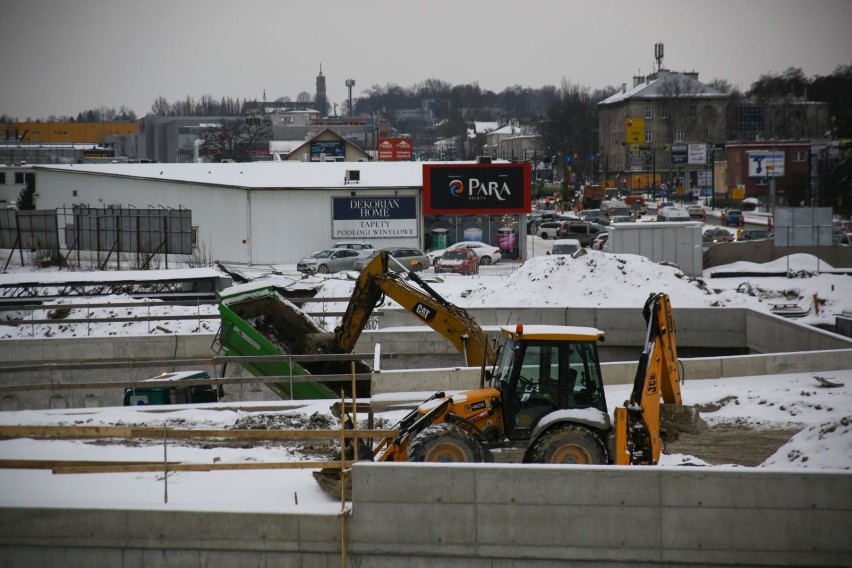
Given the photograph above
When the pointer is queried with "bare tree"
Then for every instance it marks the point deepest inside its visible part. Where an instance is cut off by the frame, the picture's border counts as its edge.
(235, 138)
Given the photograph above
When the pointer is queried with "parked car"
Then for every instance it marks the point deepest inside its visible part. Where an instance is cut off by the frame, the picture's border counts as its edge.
(599, 241)
(487, 254)
(672, 215)
(755, 235)
(587, 214)
(695, 210)
(550, 230)
(565, 246)
(620, 219)
(353, 245)
(732, 217)
(152, 393)
(329, 260)
(845, 240)
(582, 231)
(412, 259)
(717, 235)
(459, 260)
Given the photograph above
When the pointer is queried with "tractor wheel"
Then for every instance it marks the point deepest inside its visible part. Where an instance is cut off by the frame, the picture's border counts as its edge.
(445, 443)
(569, 444)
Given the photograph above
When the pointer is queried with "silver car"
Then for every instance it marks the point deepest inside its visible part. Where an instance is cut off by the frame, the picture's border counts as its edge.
(329, 260)
(412, 259)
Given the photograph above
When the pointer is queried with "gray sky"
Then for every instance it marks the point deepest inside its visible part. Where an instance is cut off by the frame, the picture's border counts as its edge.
(63, 57)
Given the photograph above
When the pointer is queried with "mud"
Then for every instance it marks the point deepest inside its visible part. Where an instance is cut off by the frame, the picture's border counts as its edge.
(731, 444)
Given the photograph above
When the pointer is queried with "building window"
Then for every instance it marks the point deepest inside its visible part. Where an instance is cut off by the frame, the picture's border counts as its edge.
(19, 177)
(678, 135)
(664, 112)
(648, 136)
(2, 178)
(800, 156)
(693, 110)
(709, 134)
(649, 113)
(194, 237)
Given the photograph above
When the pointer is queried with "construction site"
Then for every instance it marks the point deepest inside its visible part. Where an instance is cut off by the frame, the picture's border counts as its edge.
(517, 444)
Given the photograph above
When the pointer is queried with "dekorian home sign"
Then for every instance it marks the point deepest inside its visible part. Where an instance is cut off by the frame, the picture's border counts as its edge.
(373, 217)
(484, 189)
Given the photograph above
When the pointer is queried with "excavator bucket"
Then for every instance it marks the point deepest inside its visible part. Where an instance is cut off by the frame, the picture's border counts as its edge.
(677, 418)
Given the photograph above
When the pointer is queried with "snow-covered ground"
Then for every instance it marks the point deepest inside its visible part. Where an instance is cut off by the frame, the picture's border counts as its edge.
(798, 401)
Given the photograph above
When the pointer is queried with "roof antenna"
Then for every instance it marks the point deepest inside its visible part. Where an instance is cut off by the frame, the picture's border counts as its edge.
(658, 55)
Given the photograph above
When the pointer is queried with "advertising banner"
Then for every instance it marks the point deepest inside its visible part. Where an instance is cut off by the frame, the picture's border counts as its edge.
(331, 149)
(679, 153)
(461, 189)
(373, 217)
(697, 154)
(394, 149)
(765, 163)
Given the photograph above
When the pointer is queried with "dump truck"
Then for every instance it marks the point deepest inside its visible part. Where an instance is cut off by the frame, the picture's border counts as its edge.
(259, 320)
(544, 391)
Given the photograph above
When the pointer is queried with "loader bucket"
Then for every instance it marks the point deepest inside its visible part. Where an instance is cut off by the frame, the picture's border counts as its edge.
(329, 481)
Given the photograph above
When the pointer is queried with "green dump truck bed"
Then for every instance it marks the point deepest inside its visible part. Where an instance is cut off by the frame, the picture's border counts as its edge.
(260, 321)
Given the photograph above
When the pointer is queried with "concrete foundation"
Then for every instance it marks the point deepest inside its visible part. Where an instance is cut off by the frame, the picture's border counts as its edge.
(482, 515)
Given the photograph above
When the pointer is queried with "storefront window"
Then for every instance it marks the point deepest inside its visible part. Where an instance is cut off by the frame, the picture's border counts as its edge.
(442, 231)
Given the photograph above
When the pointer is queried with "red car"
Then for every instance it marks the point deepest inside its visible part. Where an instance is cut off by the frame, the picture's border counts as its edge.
(460, 260)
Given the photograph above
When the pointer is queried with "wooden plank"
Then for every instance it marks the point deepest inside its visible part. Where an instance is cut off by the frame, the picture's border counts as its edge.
(51, 464)
(66, 432)
(154, 468)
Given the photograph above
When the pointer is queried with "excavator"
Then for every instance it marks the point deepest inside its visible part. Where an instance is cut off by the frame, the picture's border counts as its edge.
(543, 391)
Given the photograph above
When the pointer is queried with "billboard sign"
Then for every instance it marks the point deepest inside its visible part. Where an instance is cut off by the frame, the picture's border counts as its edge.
(373, 217)
(635, 130)
(696, 154)
(332, 150)
(484, 189)
(394, 149)
(679, 153)
(765, 163)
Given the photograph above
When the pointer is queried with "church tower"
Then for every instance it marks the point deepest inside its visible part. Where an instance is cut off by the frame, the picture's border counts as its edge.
(321, 98)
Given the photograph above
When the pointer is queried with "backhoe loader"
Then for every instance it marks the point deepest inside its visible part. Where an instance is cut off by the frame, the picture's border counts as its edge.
(545, 393)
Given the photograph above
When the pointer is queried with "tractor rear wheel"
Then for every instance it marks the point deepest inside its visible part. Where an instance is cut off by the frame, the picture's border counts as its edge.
(445, 443)
(569, 444)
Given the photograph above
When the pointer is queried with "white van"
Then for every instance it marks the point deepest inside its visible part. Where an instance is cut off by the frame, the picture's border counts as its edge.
(673, 214)
(565, 246)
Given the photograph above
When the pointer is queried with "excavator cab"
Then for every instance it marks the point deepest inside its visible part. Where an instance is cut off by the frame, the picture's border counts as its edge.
(543, 369)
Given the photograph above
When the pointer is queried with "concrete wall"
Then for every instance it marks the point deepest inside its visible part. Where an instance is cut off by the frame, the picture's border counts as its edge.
(700, 332)
(479, 515)
(385, 383)
(414, 346)
(104, 350)
(761, 252)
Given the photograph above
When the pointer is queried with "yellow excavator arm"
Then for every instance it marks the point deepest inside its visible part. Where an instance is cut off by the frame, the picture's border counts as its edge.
(449, 320)
(637, 423)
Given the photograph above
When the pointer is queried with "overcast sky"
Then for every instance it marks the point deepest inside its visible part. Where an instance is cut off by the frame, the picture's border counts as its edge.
(68, 56)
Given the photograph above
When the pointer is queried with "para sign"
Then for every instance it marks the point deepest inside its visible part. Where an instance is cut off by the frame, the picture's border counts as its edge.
(459, 189)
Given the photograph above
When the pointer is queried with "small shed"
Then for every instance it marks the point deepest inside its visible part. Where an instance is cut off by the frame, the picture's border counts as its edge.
(675, 242)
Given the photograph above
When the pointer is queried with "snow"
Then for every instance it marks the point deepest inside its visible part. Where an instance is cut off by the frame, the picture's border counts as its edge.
(798, 401)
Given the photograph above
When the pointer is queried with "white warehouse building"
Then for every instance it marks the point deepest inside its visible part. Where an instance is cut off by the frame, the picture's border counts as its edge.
(252, 213)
